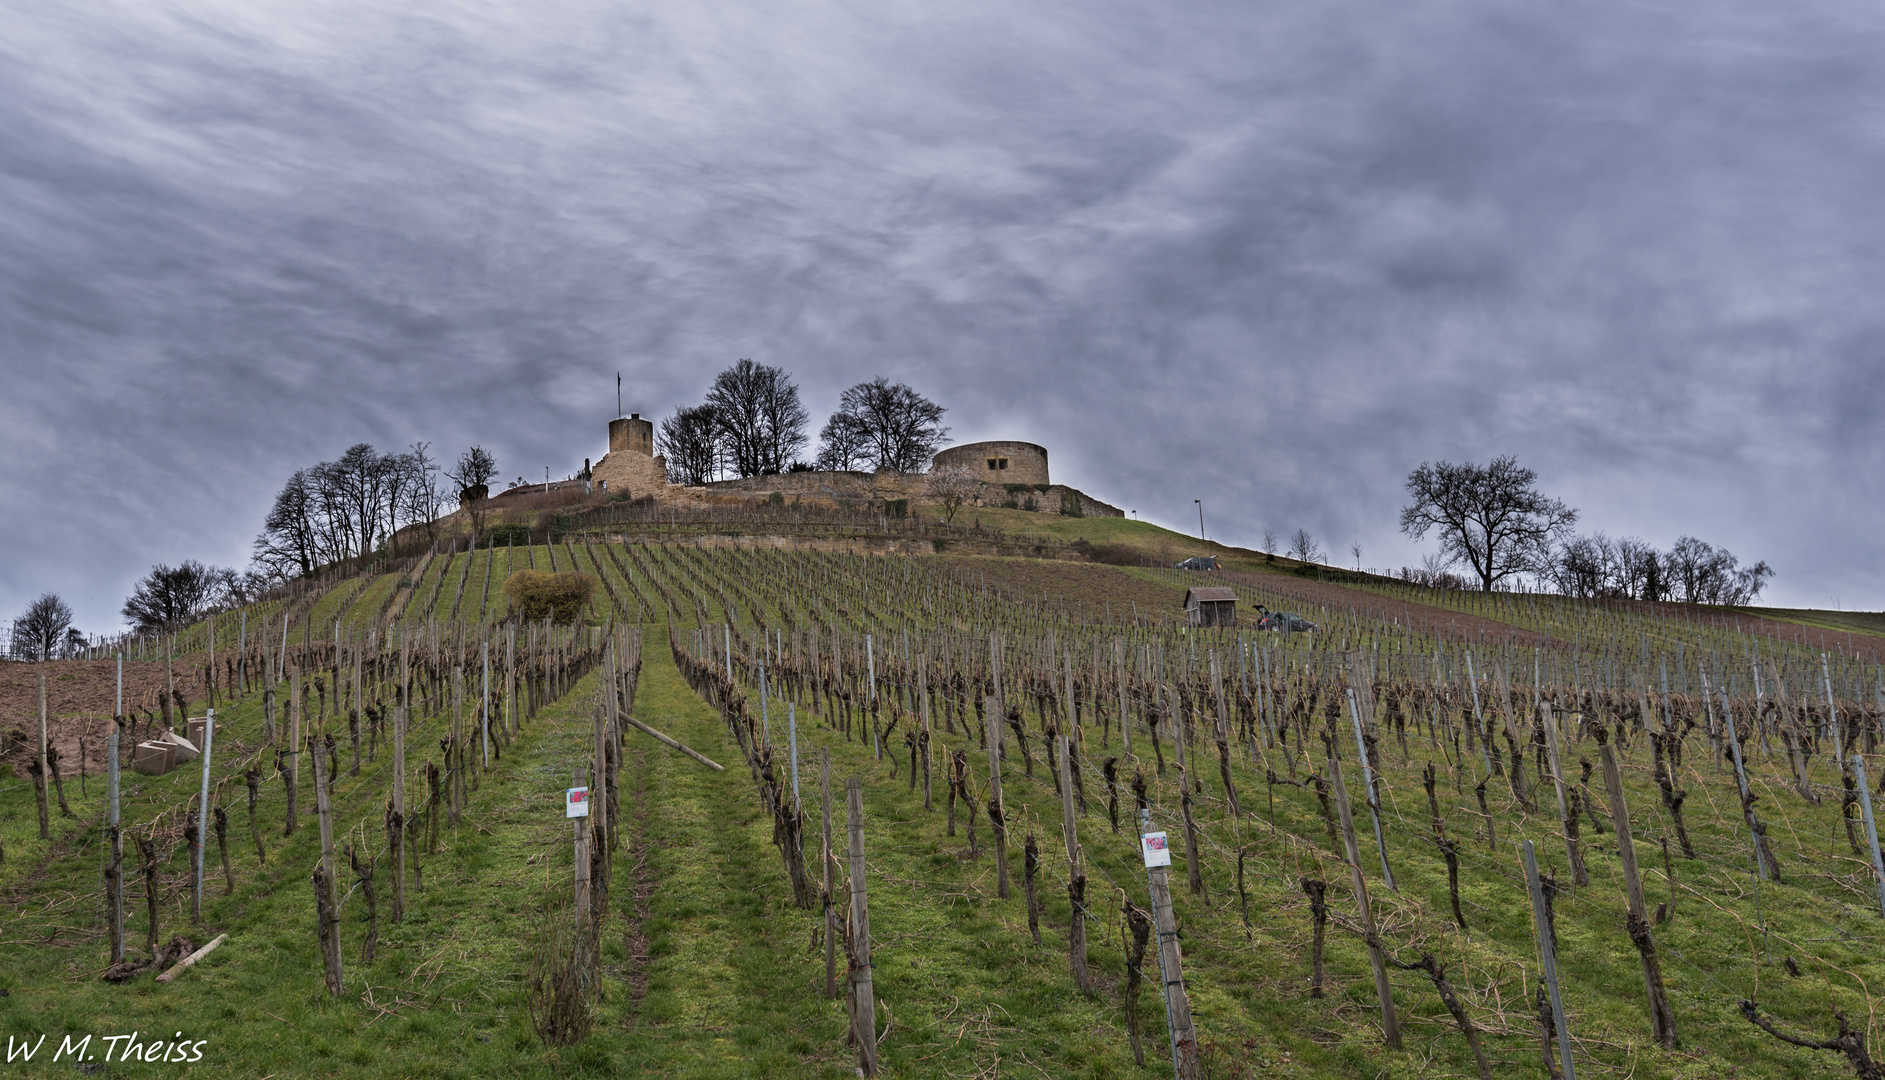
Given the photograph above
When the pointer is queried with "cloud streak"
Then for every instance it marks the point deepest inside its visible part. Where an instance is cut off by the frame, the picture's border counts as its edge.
(1286, 252)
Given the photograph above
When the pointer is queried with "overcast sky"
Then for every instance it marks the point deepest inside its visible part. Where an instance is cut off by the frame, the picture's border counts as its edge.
(1271, 255)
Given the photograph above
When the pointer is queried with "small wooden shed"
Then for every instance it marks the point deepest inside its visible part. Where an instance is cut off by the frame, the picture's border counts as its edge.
(1211, 605)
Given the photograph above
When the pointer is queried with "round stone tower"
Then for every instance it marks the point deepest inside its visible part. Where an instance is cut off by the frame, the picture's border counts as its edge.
(999, 462)
(631, 434)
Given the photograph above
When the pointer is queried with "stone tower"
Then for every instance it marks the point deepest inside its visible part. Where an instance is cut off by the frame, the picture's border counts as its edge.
(632, 434)
(631, 467)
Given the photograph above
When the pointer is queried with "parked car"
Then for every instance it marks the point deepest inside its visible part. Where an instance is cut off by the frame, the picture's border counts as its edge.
(1282, 622)
(1198, 562)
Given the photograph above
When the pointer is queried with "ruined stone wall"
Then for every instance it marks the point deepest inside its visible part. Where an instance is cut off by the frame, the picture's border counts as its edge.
(635, 474)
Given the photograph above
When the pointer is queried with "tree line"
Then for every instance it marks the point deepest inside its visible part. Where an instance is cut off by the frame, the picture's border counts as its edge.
(1494, 521)
(753, 424)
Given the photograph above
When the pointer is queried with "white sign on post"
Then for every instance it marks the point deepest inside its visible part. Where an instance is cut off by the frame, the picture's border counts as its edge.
(576, 803)
(1156, 851)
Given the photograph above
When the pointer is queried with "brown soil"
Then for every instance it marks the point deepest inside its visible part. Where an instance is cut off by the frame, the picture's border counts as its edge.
(79, 699)
(1307, 598)
(1090, 589)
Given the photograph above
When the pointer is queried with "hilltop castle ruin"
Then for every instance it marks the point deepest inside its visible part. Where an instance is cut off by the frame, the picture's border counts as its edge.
(1013, 474)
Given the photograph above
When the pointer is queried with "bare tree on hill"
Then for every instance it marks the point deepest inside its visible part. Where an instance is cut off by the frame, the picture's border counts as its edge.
(1491, 517)
(1303, 547)
(758, 420)
(898, 428)
(690, 443)
(472, 474)
(38, 634)
(172, 596)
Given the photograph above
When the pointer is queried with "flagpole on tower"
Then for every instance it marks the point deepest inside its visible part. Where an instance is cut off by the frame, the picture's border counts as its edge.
(618, 393)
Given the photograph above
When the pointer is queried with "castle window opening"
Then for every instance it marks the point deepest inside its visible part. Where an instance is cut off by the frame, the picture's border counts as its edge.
(997, 463)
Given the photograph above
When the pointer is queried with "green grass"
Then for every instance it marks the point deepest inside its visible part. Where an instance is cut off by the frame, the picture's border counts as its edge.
(732, 982)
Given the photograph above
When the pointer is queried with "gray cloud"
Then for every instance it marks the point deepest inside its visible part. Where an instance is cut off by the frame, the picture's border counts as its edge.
(1283, 251)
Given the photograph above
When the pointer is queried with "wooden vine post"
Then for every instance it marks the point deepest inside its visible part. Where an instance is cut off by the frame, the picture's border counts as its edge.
(292, 775)
(1076, 874)
(1367, 774)
(582, 858)
(114, 833)
(42, 777)
(1187, 1063)
(327, 900)
(864, 1000)
(1662, 1019)
(1548, 955)
(202, 823)
(1566, 819)
(398, 831)
(830, 861)
(1384, 993)
(994, 796)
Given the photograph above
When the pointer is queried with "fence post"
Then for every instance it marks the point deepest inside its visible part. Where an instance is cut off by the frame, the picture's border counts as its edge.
(1186, 1063)
(1548, 952)
(864, 1009)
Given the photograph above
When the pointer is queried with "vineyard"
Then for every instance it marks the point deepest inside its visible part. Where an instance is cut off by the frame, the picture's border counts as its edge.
(867, 811)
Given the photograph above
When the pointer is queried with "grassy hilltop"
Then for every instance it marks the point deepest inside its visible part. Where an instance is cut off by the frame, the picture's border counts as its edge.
(706, 966)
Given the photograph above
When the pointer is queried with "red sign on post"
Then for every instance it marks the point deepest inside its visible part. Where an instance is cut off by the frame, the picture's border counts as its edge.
(576, 802)
(1156, 851)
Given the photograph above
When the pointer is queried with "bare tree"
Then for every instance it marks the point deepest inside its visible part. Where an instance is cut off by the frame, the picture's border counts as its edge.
(1493, 518)
(843, 445)
(472, 474)
(1693, 571)
(900, 429)
(1269, 541)
(953, 485)
(1355, 550)
(417, 494)
(758, 419)
(38, 634)
(173, 596)
(1303, 547)
(689, 440)
(290, 545)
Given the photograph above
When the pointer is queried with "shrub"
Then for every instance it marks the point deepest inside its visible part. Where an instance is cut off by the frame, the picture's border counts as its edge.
(505, 535)
(897, 508)
(558, 597)
(1070, 505)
